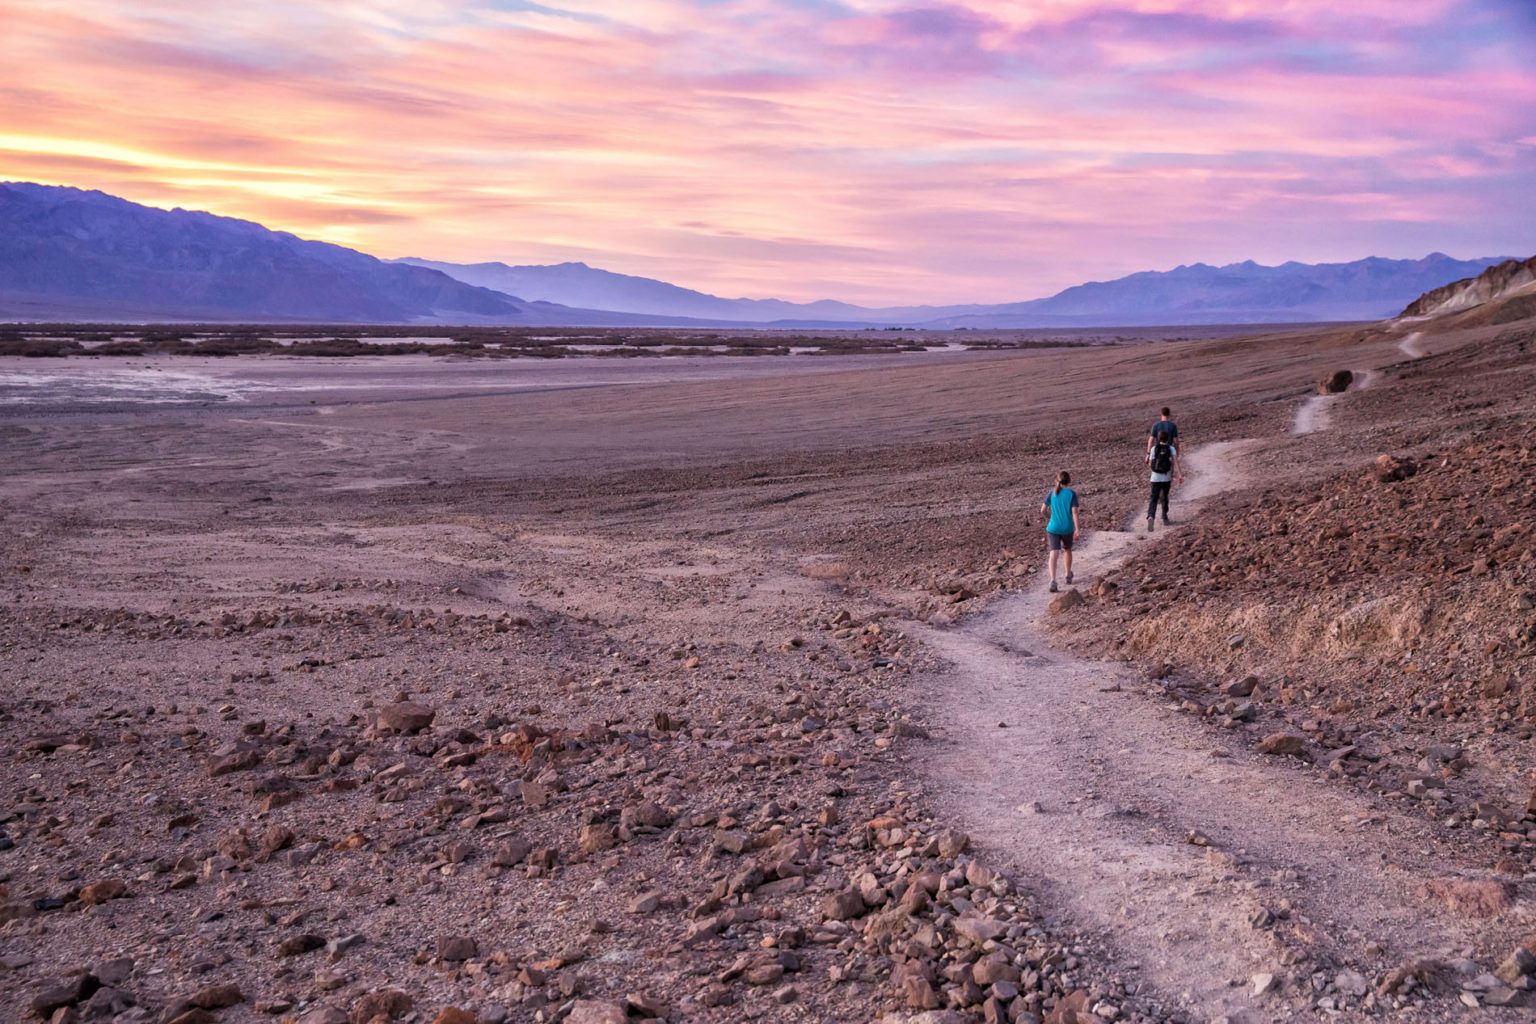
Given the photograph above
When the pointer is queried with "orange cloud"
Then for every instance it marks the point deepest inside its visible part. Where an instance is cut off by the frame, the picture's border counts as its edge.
(874, 150)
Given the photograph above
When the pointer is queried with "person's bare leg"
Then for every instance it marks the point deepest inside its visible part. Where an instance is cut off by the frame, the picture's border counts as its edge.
(1053, 558)
(1069, 566)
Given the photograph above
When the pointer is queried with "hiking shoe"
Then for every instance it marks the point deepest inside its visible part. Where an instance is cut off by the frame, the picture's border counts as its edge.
(1053, 586)
(1166, 521)
(1069, 577)
(1150, 523)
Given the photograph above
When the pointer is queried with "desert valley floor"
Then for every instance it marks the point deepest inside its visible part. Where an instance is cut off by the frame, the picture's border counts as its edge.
(741, 698)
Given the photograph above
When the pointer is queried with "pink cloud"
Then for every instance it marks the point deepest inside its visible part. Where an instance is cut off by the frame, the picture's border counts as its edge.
(944, 150)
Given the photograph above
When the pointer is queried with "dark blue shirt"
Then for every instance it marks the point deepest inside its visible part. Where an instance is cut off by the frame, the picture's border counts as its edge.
(1171, 427)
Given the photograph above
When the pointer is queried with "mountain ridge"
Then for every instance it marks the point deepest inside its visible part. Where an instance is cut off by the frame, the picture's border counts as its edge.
(1511, 278)
(1370, 288)
(68, 253)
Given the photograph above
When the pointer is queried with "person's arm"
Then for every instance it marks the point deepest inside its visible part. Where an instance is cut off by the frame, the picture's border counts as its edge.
(1178, 466)
(1076, 529)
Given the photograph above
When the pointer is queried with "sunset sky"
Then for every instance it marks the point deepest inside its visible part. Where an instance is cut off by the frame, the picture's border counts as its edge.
(880, 151)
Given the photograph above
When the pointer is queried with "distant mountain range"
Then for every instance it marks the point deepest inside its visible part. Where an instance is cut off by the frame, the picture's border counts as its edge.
(69, 254)
(1367, 289)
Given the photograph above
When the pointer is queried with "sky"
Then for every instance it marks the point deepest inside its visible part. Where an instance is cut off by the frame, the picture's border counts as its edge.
(876, 151)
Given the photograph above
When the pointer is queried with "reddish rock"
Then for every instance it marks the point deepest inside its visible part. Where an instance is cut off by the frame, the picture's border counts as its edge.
(1392, 468)
(216, 997)
(405, 716)
(388, 1003)
(596, 838)
(1283, 743)
(1066, 601)
(101, 892)
(843, 906)
(594, 1011)
(1473, 897)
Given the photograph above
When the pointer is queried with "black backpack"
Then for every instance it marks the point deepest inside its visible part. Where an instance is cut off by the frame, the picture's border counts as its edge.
(1162, 458)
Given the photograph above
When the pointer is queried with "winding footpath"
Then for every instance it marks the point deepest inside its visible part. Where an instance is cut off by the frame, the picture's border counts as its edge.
(1199, 864)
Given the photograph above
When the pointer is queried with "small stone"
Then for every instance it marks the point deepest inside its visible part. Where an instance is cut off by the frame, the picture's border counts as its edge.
(100, 892)
(645, 903)
(510, 852)
(66, 992)
(454, 1015)
(457, 949)
(953, 843)
(386, 1003)
(1066, 601)
(642, 1005)
(1473, 897)
(405, 716)
(597, 838)
(1282, 743)
(1518, 965)
(297, 945)
(843, 906)
(216, 997)
(763, 974)
(594, 1011)
(336, 947)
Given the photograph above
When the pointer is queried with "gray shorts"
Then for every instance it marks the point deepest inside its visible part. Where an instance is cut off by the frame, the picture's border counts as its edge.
(1058, 541)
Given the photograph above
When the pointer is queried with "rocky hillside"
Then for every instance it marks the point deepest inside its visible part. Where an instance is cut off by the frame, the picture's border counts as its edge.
(1508, 280)
(1400, 588)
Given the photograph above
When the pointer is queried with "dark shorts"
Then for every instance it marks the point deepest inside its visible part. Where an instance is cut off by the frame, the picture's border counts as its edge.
(1058, 541)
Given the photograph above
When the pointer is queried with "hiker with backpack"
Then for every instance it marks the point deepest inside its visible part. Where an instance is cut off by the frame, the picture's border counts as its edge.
(1164, 425)
(1163, 461)
(1062, 528)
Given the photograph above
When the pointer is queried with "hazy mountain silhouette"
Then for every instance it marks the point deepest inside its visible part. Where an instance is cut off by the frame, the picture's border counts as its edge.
(66, 253)
(1366, 289)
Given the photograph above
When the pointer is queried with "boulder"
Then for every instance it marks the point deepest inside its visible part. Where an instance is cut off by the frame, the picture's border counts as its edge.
(1335, 383)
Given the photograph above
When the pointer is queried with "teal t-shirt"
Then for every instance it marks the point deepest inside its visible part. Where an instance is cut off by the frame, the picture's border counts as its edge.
(1062, 503)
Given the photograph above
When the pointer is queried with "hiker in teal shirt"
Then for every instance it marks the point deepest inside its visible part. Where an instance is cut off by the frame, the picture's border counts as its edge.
(1062, 529)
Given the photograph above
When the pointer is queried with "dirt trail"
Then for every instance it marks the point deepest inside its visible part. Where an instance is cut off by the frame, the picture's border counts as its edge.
(1092, 793)
(1410, 346)
(1315, 412)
